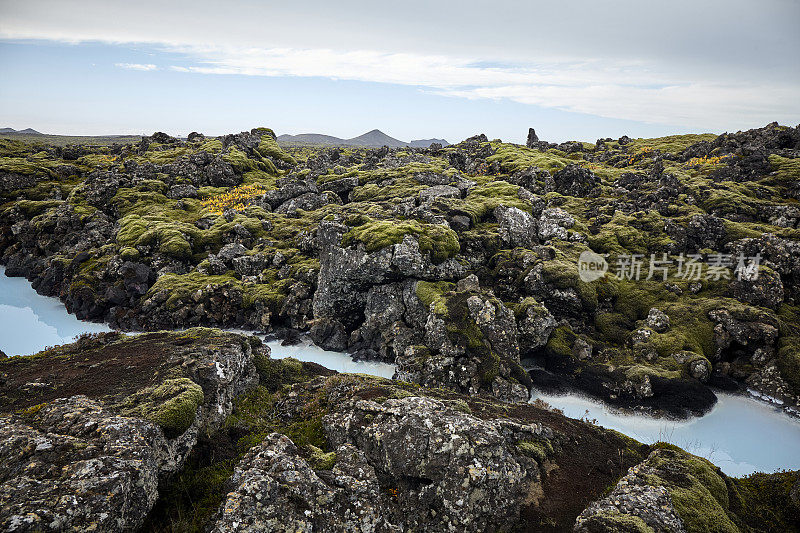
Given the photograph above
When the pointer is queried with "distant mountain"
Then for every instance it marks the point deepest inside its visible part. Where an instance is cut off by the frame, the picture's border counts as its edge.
(27, 131)
(376, 138)
(371, 139)
(425, 143)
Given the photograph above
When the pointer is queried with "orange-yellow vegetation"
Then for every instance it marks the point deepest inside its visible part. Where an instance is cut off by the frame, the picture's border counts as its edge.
(644, 150)
(237, 198)
(714, 160)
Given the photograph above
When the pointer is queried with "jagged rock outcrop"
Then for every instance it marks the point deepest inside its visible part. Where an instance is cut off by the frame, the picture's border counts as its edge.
(456, 471)
(275, 489)
(672, 491)
(90, 429)
(74, 465)
(449, 471)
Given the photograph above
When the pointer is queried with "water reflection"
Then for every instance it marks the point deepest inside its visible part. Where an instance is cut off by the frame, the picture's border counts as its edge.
(740, 435)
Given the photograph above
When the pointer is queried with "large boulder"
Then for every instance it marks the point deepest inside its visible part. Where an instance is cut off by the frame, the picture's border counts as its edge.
(275, 489)
(75, 465)
(575, 180)
(457, 472)
(516, 227)
(470, 344)
(347, 273)
(554, 223)
(763, 288)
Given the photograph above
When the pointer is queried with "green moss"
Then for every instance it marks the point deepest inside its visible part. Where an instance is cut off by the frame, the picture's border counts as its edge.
(372, 192)
(131, 228)
(31, 411)
(616, 522)
(212, 146)
(639, 233)
(463, 331)
(539, 450)
(559, 345)
(698, 491)
(766, 500)
(438, 240)
(172, 405)
(789, 344)
(727, 198)
(484, 199)
(277, 373)
(459, 405)
(239, 160)
(691, 329)
(32, 208)
(191, 497)
(562, 272)
(613, 327)
(788, 169)
(129, 253)
(241, 163)
(268, 147)
(430, 292)
(320, 460)
(672, 144)
(168, 237)
(21, 165)
(259, 177)
(180, 287)
(513, 158)
(254, 413)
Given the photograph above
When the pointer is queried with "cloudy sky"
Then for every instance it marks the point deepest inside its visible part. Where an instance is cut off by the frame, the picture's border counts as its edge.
(416, 69)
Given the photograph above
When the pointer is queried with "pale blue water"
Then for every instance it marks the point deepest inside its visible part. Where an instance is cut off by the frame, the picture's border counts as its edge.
(740, 434)
(30, 322)
(341, 362)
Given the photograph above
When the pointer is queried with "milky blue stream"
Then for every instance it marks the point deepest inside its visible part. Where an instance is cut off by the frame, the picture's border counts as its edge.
(740, 434)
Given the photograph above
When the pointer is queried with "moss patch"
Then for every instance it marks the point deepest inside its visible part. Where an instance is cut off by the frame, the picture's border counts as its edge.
(440, 241)
(172, 405)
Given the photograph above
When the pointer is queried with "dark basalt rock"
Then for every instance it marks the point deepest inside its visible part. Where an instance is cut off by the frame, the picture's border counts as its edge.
(532, 138)
(677, 398)
(575, 180)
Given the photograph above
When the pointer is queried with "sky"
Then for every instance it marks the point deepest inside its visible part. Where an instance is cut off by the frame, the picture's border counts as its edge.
(574, 70)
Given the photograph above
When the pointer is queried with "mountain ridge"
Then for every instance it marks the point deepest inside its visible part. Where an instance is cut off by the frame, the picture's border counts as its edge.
(28, 131)
(372, 139)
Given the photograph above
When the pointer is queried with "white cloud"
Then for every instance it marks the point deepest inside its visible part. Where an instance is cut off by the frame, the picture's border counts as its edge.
(716, 64)
(632, 90)
(136, 66)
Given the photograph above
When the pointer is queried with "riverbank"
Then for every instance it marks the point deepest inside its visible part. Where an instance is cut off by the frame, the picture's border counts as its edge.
(739, 434)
